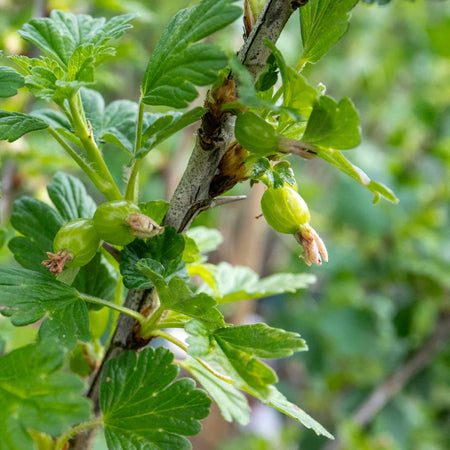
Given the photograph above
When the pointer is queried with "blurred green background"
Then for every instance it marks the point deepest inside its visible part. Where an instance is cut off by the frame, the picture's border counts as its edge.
(378, 317)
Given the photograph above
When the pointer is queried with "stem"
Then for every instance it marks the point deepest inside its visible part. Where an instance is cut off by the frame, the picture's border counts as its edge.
(300, 65)
(69, 434)
(99, 301)
(183, 346)
(132, 189)
(105, 182)
(73, 154)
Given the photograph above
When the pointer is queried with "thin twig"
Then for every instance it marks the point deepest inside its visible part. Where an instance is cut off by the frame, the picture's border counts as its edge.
(112, 251)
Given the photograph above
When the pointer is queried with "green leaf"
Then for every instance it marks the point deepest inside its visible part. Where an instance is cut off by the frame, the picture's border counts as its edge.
(232, 403)
(248, 96)
(142, 405)
(178, 64)
(14, 125)
(337, 159)
(35, 394)
(207, 239)
(155, 209)
(98, 278)
(53, 118)
(247, 372)
(166, 248)
(62, 33)
(280, 402)
(10, 81)
(160, 127)
(241, 283)
(333, 124)
(70, 198)
(323, 22)
(177, 296)
(28, 296)
(261, 340)
(39, 223)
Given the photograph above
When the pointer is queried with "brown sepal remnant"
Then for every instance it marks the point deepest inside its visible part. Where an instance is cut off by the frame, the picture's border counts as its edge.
(314, 249)
(56, 261)
(213, 120)
(231, 170)
(143, 226)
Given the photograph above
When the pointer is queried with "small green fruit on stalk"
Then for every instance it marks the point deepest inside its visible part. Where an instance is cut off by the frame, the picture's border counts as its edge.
(286, 212)
(75, 244)
(120, 222)
(259, 137)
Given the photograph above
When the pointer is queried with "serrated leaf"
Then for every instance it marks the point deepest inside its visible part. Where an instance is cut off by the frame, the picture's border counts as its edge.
(323, 22)
(62, 33)
(10, 81)
(53, 118)
(166, 248)
(232, 403)
(280, 402)
(178, 64)
(261, 340)
(337, 159)
(28, 296)
(247, 372)
(36, 395)
(70, 198)
(160, 127)
(142, 405)
(176, 296)
(14, 125)
(333, 124)
(241, 283)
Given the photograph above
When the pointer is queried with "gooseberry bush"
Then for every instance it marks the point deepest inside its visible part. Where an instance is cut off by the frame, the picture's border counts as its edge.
(92, 367)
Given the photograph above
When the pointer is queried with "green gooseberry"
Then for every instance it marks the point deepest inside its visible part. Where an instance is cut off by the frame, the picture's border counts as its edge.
(284, 209)
(78, 240)
(119, 222)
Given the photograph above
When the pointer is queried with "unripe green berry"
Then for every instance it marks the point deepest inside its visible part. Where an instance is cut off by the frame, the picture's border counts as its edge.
(119, 222)
(284, 209)
(255, 134)
(79, 239)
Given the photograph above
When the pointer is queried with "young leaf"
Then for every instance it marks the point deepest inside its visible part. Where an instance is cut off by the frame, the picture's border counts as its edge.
(178, 64)
(36, 395)
(142, 405)
(337, 159)
(323, 22)
(232, 403)
(177, 296)
(70, 198)
(14, 125)
(28, 296)
(241, 283)
(280, 402)
(261, 340)
(333, 124)
(166, 248)
(62, 33)
(10, 81)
